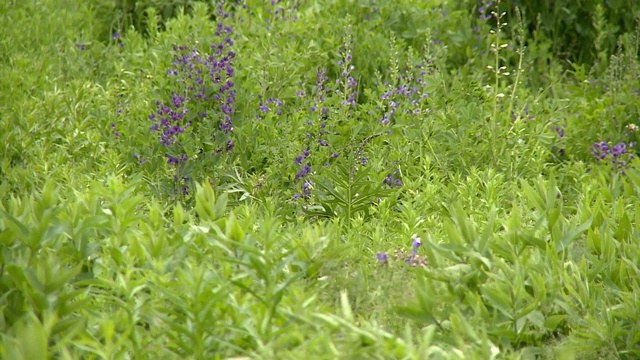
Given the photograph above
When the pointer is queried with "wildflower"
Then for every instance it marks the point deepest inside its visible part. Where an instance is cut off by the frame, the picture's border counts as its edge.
(382, 257)
(303, 172)
(392, 182)
(230, 145)
(139, 158)
(417, 242)
(618, 155)
(306, 188)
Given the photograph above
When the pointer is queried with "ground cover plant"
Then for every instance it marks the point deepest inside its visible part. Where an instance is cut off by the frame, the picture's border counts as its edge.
(327, 179)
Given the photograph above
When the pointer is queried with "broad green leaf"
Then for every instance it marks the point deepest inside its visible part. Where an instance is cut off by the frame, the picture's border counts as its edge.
(346, 307)
(498, 299)
(571, 235)
(553, 321)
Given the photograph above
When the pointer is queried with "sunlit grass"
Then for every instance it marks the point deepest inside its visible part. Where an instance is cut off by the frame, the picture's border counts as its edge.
(329, 181)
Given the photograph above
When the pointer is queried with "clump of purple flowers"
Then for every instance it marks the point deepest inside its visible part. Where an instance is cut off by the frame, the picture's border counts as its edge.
(618, 155)
(205, 81)
(317, 134)
(391, 182)
(117, 38)
(483, 11)
(265, 107)
(407, 94)
(346, 80)
(303, 172)
(279, 10)
(202, 93)
(412, 259)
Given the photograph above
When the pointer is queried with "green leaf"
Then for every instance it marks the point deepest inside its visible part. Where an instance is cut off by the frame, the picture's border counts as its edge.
(205, 201)
(22, 229)
(572, 235)
(31, 338)
(552, 322)
(346, 307)
(497, 298)
(416, 314)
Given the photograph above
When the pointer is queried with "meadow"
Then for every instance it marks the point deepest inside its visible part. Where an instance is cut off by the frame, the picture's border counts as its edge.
(319, 179)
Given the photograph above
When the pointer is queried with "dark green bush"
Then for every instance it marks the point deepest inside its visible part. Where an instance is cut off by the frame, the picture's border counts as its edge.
(581, 31)
(132, 12)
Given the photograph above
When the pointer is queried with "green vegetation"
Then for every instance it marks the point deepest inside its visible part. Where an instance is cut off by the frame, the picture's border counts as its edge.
(322, 179)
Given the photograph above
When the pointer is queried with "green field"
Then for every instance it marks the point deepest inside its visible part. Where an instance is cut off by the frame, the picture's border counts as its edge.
(319, 179)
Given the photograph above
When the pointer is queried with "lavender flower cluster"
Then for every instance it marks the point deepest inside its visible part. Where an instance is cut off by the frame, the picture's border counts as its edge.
(318, 134)
(347, 81)
(202, 92)
(618, 155)
(391, 182)
(485, 15)
(408, 94)
(204, 82)
(409, 90)
(265, 109)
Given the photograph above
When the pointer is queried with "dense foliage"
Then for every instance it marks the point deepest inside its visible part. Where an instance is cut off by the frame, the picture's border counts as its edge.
(327, 179)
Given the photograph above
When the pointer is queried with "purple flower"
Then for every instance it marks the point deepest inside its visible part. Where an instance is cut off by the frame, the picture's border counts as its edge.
(416, 243)
(303, 172)
(230, 145)
(382, 257)
(306, 188)
(618, 150)
(392, 182)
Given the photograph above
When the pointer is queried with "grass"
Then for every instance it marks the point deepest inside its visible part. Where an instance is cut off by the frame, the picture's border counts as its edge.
(331, 180)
